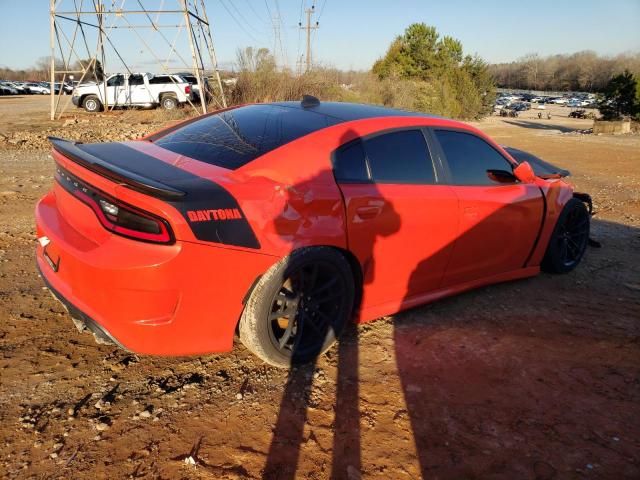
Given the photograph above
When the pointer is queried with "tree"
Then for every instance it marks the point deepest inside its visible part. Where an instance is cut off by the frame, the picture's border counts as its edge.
(620, 97)
(455, 84)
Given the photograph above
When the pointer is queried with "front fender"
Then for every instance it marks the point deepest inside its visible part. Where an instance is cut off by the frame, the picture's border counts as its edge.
(556, 193)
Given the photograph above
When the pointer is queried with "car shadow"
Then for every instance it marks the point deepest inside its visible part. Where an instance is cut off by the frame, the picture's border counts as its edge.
(542, 125)
(284, 450)
(460, 405)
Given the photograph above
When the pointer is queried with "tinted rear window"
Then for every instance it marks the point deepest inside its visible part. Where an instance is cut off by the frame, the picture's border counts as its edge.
(400, 157)
(234, 138)
(162, 79)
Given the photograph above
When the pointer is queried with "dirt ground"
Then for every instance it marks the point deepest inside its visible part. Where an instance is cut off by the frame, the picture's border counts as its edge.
(536, 379)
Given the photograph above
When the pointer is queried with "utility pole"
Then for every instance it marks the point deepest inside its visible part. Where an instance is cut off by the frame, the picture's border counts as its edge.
(52, 66)
(100, 11)
(199, 73)
(308, 28)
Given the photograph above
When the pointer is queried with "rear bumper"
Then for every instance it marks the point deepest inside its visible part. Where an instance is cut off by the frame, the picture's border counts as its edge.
(178, 299)
(79, 316)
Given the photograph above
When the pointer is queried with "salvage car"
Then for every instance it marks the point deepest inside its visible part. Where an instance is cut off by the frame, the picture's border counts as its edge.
(133, 90)
(284, 221)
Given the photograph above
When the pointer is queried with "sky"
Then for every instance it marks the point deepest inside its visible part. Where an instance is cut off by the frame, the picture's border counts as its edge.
(352, 34)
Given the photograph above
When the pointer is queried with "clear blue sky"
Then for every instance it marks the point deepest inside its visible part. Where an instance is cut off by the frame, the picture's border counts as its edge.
(353, 34)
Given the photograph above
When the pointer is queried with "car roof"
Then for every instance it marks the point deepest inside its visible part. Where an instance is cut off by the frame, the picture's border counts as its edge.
(352, 111)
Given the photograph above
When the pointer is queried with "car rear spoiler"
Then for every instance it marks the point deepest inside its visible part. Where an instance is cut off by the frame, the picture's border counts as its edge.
(119, 175)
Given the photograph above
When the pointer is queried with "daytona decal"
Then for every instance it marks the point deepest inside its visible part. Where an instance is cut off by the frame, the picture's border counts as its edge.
(219, 214)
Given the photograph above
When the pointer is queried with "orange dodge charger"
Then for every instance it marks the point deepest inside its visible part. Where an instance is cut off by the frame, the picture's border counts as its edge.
(282, 222)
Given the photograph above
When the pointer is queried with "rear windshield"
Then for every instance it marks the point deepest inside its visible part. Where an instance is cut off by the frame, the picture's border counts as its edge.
(234, 138)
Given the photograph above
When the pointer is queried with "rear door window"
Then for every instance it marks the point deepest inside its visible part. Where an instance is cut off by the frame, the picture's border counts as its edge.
(136, 80)
(160, 79)
(400, 157)
(469, 157)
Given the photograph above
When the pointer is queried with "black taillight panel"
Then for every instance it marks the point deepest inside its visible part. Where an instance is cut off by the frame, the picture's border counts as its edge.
(114, 215)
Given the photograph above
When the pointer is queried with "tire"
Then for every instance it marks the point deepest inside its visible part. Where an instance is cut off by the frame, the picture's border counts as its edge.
(299, 307)
(92, 104)
(569, 239)
(169, 102)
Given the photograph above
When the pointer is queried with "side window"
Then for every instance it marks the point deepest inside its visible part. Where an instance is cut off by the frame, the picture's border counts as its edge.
(116, 81)
(469, 157)
(160, 79)
(136, 80)
(400, 157)
(349, 164)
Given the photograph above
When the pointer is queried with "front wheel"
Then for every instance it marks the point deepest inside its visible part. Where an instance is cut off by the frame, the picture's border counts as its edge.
(569, 239)
(92, 104)
(299, 307)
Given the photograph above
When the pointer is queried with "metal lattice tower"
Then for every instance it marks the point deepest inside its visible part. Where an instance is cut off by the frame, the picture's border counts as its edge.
(86, 34)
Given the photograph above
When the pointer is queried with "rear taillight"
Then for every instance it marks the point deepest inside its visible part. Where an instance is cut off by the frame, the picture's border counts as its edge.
(187, 89)
(114, 215)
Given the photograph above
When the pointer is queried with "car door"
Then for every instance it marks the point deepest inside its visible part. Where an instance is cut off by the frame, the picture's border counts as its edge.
(115, 90)
(138, 90)
(401, 223)
(500, 218)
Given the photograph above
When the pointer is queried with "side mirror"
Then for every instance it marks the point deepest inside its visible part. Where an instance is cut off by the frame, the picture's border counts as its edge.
(524, 173)
(501, 176)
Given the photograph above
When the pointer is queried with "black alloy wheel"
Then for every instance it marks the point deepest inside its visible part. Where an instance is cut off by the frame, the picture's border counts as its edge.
(569, 239)
(306, 308)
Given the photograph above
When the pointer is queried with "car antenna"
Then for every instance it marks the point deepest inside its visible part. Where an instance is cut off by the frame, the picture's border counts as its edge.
(309, 101)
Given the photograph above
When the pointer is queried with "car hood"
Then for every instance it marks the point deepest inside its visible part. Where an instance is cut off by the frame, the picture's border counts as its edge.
(541, 168)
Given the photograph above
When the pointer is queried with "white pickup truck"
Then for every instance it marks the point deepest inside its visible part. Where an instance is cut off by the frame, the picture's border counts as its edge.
(133, 90)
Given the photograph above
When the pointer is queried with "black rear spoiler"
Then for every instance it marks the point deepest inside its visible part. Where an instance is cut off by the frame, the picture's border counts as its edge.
(119, 175)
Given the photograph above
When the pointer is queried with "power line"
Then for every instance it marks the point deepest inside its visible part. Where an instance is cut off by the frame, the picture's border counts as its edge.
(283, 49)
(238, 23)
(258, 16)
(324, 3)
(242, 17)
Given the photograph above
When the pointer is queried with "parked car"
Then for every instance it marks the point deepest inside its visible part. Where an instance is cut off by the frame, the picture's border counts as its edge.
(215, 226)
(8, 89)
(519, 106)
(559, 100)
(582, 113)
(22, 88)
(19, 88)
(66, 89)
(137, 89)
(37, 88)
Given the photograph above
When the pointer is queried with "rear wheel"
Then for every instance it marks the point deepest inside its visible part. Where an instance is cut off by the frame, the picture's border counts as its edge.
(299, 307)
(92, 104)
(569, 239)
(169, 102)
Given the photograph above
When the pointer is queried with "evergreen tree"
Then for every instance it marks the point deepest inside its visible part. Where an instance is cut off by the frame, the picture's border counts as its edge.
(620, 97)
(459, 85)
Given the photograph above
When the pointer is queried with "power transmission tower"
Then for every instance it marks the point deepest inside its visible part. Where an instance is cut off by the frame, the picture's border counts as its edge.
(73, 31)
(310, 12)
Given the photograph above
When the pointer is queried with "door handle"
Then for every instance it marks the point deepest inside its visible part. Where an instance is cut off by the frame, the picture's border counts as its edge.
(471, 211)
(367, 212)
